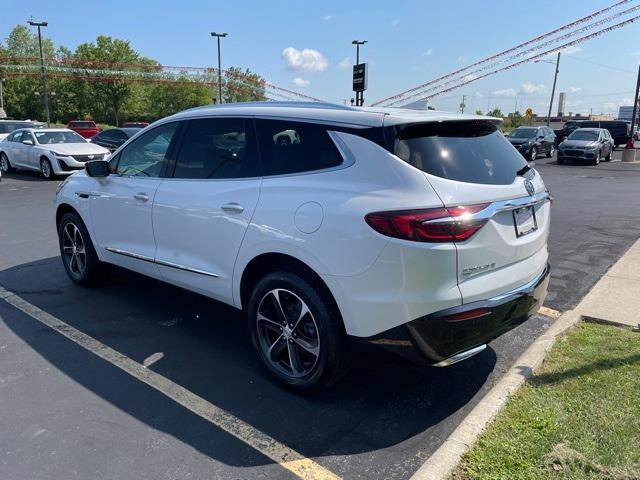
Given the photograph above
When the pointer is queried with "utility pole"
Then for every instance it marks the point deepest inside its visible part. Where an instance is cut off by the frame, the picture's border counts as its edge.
(553, 90)
(42, 74)
(359, 95)
(218, 35)
(462, 105)
(1, 96)
(635, 107)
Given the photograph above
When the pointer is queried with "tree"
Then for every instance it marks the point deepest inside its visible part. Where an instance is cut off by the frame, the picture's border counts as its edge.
(243, 86)
(479, 112)
(496, 112)
(167, 99)
(110, 95)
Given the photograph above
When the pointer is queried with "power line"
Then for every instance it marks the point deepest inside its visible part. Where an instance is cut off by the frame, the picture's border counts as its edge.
(510, 50)
(533, 58)
(602, 65)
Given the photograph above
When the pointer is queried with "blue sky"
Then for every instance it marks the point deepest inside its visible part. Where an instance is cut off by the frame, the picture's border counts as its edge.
(410, 42)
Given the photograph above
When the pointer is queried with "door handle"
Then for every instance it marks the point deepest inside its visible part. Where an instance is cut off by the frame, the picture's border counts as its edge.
(143, 197)
(233, 207)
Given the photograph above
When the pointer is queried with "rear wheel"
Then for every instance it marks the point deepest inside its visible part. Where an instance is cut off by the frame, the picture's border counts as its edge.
(596, 160)
(552, 150)
(296, 331)
(533, 154)
(5, 165)
(45, 168)
(78, 255)
(608, 157)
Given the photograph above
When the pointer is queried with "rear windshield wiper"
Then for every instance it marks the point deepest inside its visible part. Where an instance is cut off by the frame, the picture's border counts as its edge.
(523, 170)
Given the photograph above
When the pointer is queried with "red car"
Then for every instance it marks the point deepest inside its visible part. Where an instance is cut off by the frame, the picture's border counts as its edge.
(86, 128)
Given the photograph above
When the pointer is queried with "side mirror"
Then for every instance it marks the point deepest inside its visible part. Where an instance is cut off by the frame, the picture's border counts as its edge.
(27, 142)
(97, 168)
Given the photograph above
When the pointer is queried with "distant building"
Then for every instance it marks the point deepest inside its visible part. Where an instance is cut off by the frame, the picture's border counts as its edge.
(625, 113)
(562, 100)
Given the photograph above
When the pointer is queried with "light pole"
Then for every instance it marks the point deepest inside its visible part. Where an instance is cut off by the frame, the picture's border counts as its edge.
(359, 95)
(218, 35)
(42, 74)
(1, 95)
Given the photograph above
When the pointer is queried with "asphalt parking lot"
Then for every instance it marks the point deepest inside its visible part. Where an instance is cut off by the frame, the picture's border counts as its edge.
(68, 413)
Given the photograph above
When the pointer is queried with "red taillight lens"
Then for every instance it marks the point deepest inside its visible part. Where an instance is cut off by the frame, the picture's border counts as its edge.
(447, 224)
(468, 315)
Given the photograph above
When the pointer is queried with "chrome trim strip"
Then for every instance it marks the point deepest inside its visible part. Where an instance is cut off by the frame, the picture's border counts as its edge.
(458, 357)
(527, 287)
(188, 269)
(160, 262)
(496, 207)
(137, 256)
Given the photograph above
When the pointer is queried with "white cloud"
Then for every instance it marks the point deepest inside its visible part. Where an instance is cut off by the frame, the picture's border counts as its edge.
(575, 89)
(300, 82)
(344, 63)
(395, 22)
(505, 92)
(427, 52)
(529, 87)
(328, 16)
(306, 59)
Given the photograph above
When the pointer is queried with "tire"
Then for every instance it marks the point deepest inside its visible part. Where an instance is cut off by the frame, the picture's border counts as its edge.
(608, 157)
(74, 241)
(551, 151)
(596, 161)
(45, 168)
(316, 339)
(5, 165)
(533, 154)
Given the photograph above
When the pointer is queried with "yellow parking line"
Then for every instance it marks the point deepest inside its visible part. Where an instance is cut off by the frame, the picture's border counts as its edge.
(287, 458)
(549, 312)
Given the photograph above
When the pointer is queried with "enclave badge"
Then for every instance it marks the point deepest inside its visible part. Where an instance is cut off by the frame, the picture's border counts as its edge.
(529, 186)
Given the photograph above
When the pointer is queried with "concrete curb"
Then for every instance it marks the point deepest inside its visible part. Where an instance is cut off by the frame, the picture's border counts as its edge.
(442, 463)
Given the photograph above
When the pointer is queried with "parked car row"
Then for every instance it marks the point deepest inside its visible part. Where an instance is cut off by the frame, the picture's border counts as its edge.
(587, 144)
(618, 129)
(533, 141)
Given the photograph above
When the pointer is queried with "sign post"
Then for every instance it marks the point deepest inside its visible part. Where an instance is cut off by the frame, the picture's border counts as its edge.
(360, 72)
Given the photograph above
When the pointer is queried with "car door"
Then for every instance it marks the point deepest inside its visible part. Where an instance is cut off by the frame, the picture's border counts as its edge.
(30, 155)
(122, 202)
(18, 150)
(201, 213)
(9, 147)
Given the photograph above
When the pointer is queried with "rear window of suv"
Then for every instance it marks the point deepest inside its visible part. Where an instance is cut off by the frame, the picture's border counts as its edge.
(465, 151)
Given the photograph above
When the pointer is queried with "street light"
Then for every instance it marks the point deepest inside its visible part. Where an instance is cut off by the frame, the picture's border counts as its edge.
(218, 35)
(42, 75)
(359, 95)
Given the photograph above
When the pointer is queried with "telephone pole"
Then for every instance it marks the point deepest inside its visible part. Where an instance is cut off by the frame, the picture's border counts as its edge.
(463, 104)
(42, 74)
(635, 106)
(553, 89)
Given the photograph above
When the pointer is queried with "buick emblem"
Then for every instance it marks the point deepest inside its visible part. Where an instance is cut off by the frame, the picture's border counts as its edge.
(529, 186)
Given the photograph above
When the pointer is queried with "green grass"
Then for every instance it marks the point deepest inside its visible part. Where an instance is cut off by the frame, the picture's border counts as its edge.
(578, 418)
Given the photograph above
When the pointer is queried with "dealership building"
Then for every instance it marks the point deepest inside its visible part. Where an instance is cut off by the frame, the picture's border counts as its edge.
(625, 113)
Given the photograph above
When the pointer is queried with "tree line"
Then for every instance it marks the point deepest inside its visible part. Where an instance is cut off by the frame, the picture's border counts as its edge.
(137, 93)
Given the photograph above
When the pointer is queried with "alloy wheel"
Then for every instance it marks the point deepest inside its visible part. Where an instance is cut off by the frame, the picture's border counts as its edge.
(534, 153)
(288, 335)
(73, 249)
(45, 168)
(4, 163)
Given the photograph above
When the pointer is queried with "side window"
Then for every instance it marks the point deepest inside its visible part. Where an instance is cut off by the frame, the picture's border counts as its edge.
(293, 147)
(17, 137)
(147, 156)
(106, 136)
(217, 148)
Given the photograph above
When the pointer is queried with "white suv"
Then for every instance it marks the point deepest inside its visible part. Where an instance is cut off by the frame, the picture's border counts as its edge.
(364, 223)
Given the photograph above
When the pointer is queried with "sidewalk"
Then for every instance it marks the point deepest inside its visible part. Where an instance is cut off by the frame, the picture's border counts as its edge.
(616, 297)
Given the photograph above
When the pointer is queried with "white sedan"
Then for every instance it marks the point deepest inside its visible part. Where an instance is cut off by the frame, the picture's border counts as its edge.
(51, 151)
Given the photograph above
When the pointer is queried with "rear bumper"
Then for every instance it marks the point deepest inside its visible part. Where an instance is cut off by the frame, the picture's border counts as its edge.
(443, 338)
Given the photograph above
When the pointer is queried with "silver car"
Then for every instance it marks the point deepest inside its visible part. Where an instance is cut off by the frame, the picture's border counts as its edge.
(587, 145)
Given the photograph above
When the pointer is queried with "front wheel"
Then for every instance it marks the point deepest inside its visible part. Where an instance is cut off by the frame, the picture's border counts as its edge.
(5, 166)
(552, 150)
(296, 331)
(78, 255)
(45, 168)
(596, 160)
(534, 153)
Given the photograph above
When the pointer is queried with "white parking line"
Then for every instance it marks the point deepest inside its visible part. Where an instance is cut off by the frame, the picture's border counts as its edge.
(287, 458)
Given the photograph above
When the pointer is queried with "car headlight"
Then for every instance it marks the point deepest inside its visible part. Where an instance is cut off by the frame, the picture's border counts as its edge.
(56, 154)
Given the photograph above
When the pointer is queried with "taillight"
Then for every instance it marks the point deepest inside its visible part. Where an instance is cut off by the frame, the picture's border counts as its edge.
(447, 224)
